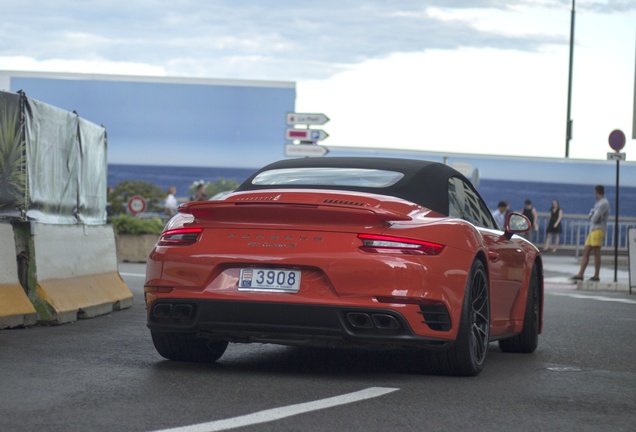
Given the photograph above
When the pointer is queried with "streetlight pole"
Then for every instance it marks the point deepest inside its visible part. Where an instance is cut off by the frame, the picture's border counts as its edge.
(568, 127)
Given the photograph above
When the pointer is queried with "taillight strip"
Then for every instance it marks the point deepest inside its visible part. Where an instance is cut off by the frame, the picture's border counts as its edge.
(180, 236)
(391, 244)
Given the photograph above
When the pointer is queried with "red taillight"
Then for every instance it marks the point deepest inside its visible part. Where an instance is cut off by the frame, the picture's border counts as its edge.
(179, 236)
(389, 244)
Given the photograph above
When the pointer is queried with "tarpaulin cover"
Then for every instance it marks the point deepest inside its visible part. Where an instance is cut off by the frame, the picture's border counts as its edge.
(13, 195)
(65, 165)
(93, 173)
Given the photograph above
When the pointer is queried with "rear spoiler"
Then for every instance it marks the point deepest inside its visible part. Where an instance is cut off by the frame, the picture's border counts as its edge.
(316, 205)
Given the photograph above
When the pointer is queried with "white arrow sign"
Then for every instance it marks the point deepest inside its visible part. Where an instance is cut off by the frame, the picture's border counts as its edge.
(616, 156)
(305, 150)
(305, 134)
(308, 119)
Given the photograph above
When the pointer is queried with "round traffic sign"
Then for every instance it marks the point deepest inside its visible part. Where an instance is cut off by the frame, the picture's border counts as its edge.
(136, 204)
(617, 140)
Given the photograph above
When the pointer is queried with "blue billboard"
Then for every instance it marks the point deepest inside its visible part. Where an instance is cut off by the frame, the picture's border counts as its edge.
(173, 121)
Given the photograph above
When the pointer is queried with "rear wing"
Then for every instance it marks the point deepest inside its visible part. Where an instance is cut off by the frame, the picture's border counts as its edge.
(312, 207)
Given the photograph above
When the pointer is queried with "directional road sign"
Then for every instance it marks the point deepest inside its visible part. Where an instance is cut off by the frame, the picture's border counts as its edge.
(306, 119)
(305, 134)
(305, 150)
(616, 156)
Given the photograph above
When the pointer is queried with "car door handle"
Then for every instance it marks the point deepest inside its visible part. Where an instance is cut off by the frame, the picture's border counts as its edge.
(493, 256)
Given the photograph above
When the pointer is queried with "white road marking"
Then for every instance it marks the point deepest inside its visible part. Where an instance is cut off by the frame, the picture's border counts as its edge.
(283, 412)
(593, 297)
(132, 274)
(564, 369)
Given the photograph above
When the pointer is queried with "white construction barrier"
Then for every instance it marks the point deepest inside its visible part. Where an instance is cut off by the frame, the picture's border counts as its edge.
(77, 271)
(16, 309)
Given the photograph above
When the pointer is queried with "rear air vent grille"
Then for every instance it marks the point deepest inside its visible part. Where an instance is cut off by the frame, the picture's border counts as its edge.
(343, 202)
(436, 317)
(258, 198)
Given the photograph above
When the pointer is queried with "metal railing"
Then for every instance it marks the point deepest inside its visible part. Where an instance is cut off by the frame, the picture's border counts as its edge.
(575, 229)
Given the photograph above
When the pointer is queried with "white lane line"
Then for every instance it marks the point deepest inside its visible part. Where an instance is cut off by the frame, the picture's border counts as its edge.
(132, 274)
(591, 297)
(283, 412)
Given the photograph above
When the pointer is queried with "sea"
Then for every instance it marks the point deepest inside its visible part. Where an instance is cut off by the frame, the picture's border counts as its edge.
(574, 199)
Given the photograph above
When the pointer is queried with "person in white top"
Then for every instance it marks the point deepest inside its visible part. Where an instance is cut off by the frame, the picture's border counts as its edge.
(171, 202)
(500, 214)
(598, 217)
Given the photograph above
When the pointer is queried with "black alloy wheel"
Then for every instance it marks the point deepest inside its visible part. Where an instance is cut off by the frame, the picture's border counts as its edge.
(467, 355)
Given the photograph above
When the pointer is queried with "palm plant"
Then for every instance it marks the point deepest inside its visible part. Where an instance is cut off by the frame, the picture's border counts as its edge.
(12, 157)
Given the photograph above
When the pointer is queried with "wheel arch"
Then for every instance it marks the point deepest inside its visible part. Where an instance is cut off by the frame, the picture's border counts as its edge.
(481, 256)
(538, 261)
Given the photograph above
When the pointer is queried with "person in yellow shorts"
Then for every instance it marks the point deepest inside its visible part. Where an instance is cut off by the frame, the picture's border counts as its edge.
(599, 216)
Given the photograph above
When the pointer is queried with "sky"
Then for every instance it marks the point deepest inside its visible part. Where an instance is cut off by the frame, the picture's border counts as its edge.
(460, 76)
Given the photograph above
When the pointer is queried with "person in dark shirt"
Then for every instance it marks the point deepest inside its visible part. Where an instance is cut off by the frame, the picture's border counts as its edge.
(554, 226)
(531, 213)
(199, 194)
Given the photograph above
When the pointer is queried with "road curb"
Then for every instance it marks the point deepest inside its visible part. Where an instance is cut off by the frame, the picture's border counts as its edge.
(602, 286)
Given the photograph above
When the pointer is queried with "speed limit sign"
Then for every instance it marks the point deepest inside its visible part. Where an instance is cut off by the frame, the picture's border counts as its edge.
(136, 204)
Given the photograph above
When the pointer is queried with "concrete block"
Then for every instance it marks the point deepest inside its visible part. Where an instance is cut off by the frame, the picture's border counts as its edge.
(16, 309)
(77, 272)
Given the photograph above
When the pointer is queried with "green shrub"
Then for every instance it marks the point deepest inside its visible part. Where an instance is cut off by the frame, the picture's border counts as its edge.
(125, 224)
(154, 195)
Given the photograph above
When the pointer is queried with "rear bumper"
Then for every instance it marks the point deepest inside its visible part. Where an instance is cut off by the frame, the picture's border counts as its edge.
(287, 324)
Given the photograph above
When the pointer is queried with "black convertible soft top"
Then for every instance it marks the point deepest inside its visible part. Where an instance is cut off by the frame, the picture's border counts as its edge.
(424, 182)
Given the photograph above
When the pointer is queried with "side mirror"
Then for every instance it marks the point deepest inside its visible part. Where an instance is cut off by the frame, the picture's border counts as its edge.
(516, 224)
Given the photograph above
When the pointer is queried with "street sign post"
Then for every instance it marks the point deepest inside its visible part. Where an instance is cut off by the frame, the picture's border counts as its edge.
(305, 134)
(306, 119)
(631, 249)
(616, 142)
(303, 150)
(308, 137)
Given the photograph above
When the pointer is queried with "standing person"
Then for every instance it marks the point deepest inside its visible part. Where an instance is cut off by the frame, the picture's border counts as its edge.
(531, 213)
(500, 214)
(554, 226)
(109, 208)
(171, 201)
(199, 194)
(598, 216)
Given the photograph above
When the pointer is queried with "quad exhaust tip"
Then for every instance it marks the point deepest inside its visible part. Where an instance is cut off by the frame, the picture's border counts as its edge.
(177, 311)
(362, 320)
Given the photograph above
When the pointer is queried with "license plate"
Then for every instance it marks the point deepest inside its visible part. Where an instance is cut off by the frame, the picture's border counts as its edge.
(273, 280)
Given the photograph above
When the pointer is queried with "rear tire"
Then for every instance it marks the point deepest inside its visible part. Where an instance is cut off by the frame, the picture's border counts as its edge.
(185, 347)
(467, 356)
(528, 340)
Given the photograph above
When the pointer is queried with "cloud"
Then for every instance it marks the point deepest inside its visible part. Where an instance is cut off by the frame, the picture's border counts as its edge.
(249, 39)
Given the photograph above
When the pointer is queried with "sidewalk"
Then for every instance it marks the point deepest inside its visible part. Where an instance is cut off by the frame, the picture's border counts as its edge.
(559, 267)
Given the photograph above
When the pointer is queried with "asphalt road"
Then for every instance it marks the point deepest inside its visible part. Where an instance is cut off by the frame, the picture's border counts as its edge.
(104, 374)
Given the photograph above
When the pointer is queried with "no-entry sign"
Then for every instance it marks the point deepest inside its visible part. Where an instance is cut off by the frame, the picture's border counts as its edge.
(617, 140)
(136, 204)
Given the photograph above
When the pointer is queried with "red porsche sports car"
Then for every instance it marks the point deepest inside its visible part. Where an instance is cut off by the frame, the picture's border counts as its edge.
(346, 252)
